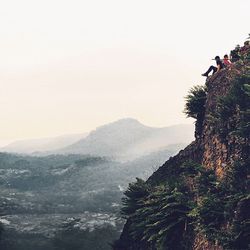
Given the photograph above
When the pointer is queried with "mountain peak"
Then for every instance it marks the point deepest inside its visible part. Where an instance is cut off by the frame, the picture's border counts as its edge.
(126, 122)
(128, 138)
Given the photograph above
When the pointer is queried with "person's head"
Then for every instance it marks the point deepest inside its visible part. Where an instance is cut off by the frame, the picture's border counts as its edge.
(217, 58)
(246, 43)
(226, 57)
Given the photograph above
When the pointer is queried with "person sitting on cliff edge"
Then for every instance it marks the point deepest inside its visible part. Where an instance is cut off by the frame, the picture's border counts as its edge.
(213, 68)
(226, 61)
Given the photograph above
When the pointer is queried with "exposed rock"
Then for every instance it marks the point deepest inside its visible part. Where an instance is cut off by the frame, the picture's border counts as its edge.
(210, 149)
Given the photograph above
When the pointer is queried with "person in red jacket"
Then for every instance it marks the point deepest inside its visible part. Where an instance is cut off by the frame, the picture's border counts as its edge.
(226, 61)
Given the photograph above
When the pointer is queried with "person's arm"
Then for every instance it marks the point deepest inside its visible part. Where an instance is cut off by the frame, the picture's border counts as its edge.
(218, 68)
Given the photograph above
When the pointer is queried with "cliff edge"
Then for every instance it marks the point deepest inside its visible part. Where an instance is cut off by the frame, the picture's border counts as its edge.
(199, 199)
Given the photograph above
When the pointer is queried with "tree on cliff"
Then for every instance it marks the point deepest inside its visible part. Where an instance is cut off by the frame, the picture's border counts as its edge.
(195, 106)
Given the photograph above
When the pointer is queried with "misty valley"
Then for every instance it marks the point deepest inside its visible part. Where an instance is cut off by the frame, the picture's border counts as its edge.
(72, 201)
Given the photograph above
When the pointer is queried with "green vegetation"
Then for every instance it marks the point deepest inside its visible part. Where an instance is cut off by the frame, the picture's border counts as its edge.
(219, 213)
(195, 106)
(195, 102)
(235, 103)
(167, 216)
(159, 215)
(155, 215)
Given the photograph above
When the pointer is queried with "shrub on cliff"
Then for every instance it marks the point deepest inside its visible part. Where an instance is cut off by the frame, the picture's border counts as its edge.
(161, 220)
(195, 106)
(167, 215)
(195, 102)
(222, 213)
(232, 113)
(134, 196)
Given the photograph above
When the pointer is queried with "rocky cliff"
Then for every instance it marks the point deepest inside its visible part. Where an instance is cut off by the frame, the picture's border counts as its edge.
(199, 199)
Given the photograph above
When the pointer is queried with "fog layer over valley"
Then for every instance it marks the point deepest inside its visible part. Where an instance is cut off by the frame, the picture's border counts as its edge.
(73, 200)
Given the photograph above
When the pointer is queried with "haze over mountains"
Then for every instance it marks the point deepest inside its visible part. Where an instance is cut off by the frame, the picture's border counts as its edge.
(42, 144)
(78, 179)
(124, 139)
(129, 139)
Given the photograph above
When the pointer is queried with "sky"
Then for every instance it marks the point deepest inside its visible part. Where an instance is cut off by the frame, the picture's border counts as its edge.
(70, 66)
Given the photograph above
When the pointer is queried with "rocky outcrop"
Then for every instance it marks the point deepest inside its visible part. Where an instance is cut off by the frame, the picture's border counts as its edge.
(212, 149)
(220, 152)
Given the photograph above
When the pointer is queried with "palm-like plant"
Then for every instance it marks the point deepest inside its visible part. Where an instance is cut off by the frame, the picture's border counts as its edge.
(161, 220)
(195, 101)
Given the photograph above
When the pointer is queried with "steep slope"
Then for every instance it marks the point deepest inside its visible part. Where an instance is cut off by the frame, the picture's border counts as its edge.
(199, 199)
(128, 139)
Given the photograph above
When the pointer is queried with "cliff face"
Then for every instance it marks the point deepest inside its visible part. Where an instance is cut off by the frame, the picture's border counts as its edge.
(217, 190)
(221, 151)
(211, 149)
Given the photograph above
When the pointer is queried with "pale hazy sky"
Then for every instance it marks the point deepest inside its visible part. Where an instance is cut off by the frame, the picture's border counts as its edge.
(69, 66)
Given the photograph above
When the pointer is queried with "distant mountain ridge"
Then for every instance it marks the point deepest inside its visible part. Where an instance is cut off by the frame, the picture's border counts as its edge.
(42, 144)
(124, 139)
(128, 138)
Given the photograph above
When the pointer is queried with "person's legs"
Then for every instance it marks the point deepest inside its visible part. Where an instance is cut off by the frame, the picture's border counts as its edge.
(214, 69)
(211, 68)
